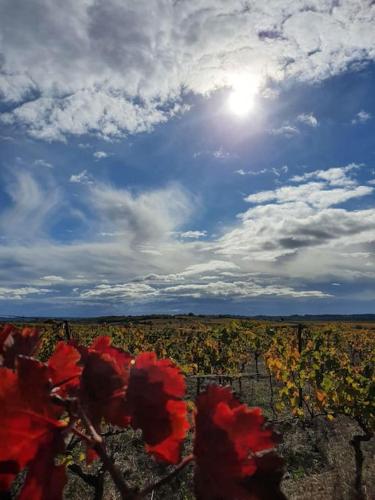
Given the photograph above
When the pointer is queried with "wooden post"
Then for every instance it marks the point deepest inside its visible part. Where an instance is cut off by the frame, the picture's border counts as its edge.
(256, 356)
(66, 330)
(299, 339)
(271, 392)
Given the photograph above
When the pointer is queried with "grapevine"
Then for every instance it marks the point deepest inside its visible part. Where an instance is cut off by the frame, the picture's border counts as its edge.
(79, 390)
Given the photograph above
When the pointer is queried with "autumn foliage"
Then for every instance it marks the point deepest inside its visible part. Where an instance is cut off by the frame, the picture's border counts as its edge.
(79, 390)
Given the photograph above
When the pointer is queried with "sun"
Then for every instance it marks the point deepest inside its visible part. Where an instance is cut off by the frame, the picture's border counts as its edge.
(241, 99)
(240, 103)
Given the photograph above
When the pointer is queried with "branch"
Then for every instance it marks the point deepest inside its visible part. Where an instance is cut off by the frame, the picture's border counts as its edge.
(74, 441)
(125, 492)
(367, 431)
(118, 432)
(62, 382)
(184, 462)
(87, 439)
(87, 478)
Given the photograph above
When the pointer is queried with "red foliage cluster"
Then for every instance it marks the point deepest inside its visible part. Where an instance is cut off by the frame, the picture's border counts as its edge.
(229, 448)
(78, 389)
(14, 342)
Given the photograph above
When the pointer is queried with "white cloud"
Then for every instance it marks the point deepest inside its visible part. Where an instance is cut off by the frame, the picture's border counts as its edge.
(148, 218)
(138, 229)
(100, 155)
(31, 206)
(361, 117)
(218, 154)
(212, 265)
(21, 293)
(287, 131)
(127, 291)
(336, 176)
(312, 193)
(42, 163)
(53, 279)
(251, 172)
(295, 241)
(86, 111)
(7, 138)
(308, 119)
(129, 249)
(110, 68)
(238, 289)
(216, 288)
(193, 235)
(279, 171)
(221, 154)
(300, 231)
(81, 178)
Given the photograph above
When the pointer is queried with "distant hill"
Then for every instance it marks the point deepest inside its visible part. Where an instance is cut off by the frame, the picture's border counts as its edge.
(359, 318)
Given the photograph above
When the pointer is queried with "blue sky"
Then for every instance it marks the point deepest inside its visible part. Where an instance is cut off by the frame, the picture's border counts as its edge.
(129, 185)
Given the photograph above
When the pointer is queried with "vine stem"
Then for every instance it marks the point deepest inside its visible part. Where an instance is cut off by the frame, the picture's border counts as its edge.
(99, 446)
(149, 489)
(359, 457)
(83, 437)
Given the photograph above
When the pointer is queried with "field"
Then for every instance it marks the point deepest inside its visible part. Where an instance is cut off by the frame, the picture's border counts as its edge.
(314, 381)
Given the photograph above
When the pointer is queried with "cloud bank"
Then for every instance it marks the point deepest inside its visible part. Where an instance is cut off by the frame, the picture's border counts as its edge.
(63, 71)
(136, 248)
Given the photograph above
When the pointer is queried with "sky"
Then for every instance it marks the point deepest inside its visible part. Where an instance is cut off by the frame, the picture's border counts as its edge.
(175, 156)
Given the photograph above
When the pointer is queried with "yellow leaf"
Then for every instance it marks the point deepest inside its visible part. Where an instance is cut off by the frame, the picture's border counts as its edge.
(321, 396)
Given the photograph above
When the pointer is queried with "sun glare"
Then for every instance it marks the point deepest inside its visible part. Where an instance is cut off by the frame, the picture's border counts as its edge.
(241, 99)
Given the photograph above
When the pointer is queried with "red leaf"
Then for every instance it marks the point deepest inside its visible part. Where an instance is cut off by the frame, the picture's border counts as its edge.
(27, 417)
(265, 483)
(15, 342)
(35, 387)
(154, 398)
(64, 369)
(229, 435)
(103, 383)
(91, 455)
(119, 357)
(45, 480)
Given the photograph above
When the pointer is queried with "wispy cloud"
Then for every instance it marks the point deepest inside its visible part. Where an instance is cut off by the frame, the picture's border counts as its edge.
(42, 163)
(316, 194)
(336, 176)
(218, 154)
(286, 130)
(81, 178)
(31, 207)
(99, 155)
(278, 171)
(308, 119)
(193, 235)
(361, 117)
(133, 249)
(21, 293)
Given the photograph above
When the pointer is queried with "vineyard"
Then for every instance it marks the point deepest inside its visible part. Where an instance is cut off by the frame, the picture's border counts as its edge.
(314, 382)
